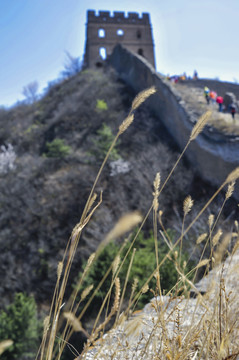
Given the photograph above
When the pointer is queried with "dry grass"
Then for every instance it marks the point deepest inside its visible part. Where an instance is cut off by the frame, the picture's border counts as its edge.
(173, 326)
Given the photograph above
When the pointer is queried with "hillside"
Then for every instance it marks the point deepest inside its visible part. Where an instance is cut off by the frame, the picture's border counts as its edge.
(42, 198)
(43, 195)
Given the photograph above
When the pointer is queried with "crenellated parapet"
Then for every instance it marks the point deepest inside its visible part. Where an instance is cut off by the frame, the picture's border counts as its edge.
(117, 17)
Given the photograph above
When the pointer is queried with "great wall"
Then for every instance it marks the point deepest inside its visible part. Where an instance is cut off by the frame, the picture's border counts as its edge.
(213, 155)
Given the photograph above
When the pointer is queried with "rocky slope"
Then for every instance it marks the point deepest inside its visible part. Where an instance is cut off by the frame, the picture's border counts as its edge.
(177, 327)
(42, 198)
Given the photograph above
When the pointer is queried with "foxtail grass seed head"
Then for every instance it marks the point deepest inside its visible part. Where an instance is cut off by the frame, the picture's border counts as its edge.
(156, 274)
(187, 205)
(46, 324)
(210, 221)
(160, 215)
(134, 326)
(126, 123)
(142, 96)
(216, 237)
(145, 289)
(221, 249)
(126, 223)
(92, 200)
(86, 292)
(115, 264)
(117, 294)
(156, 192)
(157, 182)
(77, 229)
(4, 345)
(59, 270)
(230, 190)
(89, 262)
(135, 284)
(75, 323)
(201, 238)
(233, 176)
(198, 127)
(202, 263)
(179, 340)
(236, 225)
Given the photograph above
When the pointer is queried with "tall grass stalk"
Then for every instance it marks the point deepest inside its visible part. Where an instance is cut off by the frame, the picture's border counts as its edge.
(233, 176)
(181, 345)
(57, 301)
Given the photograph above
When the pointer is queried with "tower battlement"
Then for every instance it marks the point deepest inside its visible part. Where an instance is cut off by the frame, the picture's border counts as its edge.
(105, 30)
(118, 17)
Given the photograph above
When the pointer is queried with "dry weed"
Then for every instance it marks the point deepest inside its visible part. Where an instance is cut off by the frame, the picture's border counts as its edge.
(172, 326)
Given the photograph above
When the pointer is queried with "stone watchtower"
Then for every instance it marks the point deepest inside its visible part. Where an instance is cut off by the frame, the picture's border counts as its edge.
(105, 31)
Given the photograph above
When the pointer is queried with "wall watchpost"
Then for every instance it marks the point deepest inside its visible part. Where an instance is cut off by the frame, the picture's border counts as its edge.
(104, 31)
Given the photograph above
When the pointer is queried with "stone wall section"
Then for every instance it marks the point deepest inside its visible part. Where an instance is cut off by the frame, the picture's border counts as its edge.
(213, 155)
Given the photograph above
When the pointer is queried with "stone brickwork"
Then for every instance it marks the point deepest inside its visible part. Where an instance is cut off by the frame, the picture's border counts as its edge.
(104, 31)
(213, 155)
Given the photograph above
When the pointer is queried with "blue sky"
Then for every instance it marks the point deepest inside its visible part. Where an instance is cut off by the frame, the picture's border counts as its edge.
(188, 35)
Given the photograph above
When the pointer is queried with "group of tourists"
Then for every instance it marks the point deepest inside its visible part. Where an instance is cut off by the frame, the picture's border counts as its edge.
(183, 77)
(211, 96)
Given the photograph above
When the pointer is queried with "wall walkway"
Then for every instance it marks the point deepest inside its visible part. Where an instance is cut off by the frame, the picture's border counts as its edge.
(212, 155)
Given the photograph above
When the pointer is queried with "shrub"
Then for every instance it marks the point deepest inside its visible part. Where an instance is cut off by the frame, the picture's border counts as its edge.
(143, 266)
(30, 92)
(19, 323)
(57, 149)
(101, 105)
(72, 66)
(102, 144)
(7, 158)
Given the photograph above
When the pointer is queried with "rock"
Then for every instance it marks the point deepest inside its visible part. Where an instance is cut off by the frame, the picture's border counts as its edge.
(175, 322)
(228, 99)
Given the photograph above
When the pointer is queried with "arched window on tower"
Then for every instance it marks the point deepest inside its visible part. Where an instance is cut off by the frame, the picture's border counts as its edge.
(101, 33)
(140, 52)
(120, 32)
(103, 53)
(139, 35)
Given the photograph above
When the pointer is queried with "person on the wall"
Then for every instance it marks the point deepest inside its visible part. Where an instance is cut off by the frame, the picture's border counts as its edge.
(219, 101)
(206, 94)
(195, 75)
(233, 110)
(213, 96)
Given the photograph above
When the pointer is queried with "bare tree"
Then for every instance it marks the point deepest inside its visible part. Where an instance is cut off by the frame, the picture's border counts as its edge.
(72, 66)
(30, 92)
